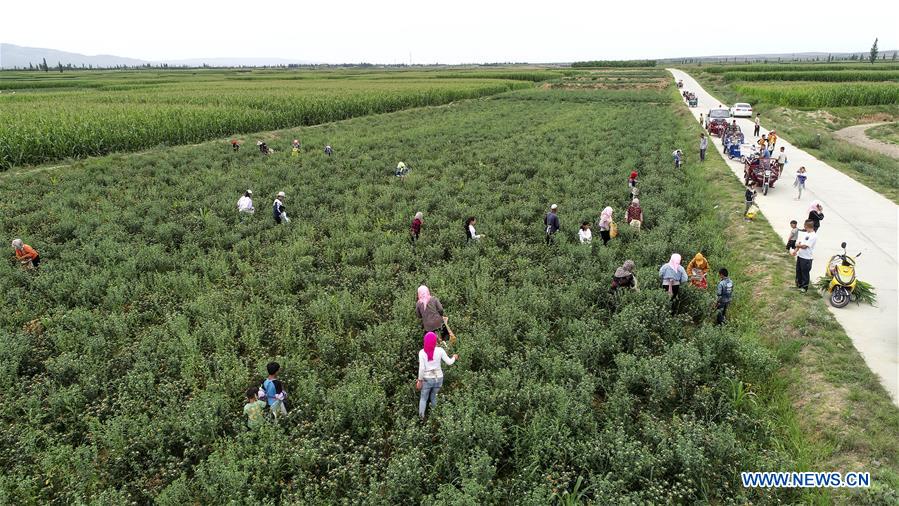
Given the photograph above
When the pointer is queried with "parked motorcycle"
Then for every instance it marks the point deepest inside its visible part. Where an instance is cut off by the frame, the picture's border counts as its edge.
(841, 268)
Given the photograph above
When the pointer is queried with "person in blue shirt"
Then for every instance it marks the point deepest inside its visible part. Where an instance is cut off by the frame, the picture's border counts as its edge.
(273, 390)
(725, 293)
(551, 221)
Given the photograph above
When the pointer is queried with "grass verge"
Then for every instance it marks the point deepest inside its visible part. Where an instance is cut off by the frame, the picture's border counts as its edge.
(886, 133)
(832, 412)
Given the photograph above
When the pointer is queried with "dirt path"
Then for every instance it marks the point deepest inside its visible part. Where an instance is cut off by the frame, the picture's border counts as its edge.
(856, 135)
(854, 213)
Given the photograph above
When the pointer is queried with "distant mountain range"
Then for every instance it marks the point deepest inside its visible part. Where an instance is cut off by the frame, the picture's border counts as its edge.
(13, 56)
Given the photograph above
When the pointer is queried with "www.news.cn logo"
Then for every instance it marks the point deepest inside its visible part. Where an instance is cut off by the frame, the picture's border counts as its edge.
(805, 480)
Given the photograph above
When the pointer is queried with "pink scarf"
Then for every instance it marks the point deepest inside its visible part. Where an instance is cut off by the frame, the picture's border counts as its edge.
(674, 263)
(424, 295)
(430, 342)
(814, 206)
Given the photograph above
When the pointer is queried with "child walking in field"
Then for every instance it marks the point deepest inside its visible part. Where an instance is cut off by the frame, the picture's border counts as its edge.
(254, 408)
(793, 235)
(724, 295)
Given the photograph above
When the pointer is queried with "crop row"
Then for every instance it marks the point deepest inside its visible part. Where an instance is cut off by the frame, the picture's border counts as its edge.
(41, 127)
(821, 94)
(771, 67)
(825, 76)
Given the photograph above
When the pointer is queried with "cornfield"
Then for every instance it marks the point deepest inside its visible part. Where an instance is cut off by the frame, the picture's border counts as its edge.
(821, 94)
(818, 67)
(104, 114)
(825, 76)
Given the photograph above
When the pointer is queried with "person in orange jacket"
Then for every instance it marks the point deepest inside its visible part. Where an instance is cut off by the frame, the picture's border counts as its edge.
(25, 254)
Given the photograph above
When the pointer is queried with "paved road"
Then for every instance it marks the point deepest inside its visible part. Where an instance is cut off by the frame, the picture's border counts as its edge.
(856, 135)
(854, 213)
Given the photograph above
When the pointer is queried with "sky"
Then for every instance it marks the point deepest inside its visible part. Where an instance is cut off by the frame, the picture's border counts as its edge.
(455, 31)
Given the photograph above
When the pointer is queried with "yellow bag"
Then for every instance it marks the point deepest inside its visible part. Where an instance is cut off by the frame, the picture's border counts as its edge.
(613, 230)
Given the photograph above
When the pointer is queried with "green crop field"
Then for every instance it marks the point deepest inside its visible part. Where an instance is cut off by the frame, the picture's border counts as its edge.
(798, 67)
(821, 94)
(124, 358)
(72, 115)
(810, 75)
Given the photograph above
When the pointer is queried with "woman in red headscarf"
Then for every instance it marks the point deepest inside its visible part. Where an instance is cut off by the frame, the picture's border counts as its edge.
(430, 375)
(632, 184)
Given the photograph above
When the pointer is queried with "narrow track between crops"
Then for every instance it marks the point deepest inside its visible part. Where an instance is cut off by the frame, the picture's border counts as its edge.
(854, 213)
(856, 135)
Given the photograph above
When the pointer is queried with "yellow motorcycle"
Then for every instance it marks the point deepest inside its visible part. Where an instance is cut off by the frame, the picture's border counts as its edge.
(841, 269)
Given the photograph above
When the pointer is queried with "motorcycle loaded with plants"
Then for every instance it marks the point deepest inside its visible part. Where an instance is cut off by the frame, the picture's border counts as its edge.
(841, 283)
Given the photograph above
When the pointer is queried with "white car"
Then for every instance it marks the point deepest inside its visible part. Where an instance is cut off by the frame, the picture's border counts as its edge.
(741, 109)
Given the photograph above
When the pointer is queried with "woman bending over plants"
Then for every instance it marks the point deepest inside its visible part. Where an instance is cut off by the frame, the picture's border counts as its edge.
(430, 375)
(673, 275)
(430, 311)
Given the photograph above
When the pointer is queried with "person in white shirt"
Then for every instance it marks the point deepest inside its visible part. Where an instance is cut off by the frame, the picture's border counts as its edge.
(279, 212)
(781, 159)
(430, 375)
(245, 203)
(470, 233)
(584, 234)
(805, 253)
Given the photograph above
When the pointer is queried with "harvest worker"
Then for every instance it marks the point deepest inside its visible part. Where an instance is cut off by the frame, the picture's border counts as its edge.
(634, 215)
(263, 148)
(279, 212)
(672, 275)
(703, 145)
(470, 234)
(401, 170)
(272, 390)
(430, 374)
(552, 223)
(805, 253)
(698, 270)
(724, 293)
(415, 229)
(604, 224)
(430, 311)
(254, 408)
(632, 181)
(245, 203)
(27, 257)
(624, 276)
(235, 146)
(328, 150)
(584, 234)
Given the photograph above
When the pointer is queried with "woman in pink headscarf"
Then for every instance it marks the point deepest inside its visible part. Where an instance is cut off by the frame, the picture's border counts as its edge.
(816, 214)
(672, 275)
(430, 311)
(604, 224)
(430, 375)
